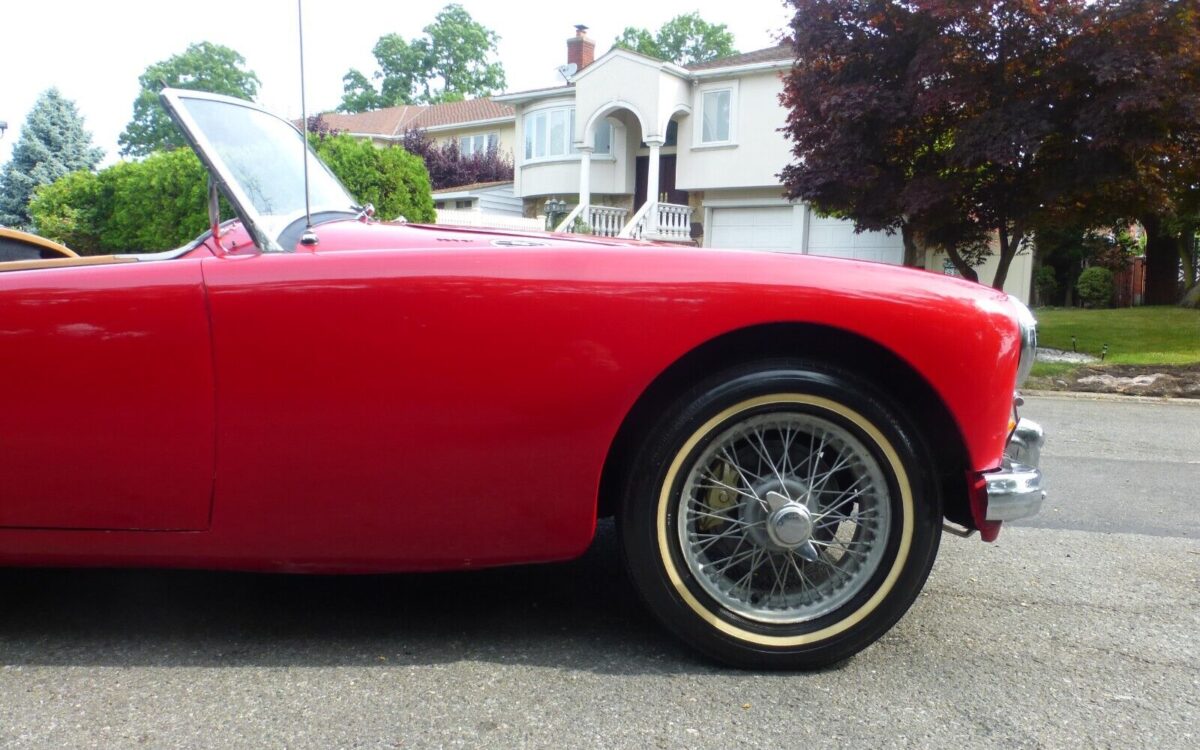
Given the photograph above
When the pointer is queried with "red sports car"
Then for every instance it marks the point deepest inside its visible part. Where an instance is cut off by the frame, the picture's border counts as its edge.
(781, 438)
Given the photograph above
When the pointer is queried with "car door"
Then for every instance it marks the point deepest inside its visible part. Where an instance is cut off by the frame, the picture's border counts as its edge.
(401, 409)
(106, 397)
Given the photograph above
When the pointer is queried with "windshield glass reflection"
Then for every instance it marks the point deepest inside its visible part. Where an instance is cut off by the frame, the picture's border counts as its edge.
(262, 153)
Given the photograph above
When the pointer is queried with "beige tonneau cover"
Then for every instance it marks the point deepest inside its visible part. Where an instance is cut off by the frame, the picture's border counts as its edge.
(83, 260)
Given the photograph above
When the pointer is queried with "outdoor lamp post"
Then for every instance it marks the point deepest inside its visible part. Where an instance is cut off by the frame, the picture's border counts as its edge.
(554, 210)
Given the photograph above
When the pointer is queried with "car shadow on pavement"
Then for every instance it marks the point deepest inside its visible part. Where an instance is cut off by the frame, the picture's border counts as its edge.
(581, 615)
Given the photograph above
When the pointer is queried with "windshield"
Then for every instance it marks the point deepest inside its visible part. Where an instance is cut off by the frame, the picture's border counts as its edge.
(259, 158)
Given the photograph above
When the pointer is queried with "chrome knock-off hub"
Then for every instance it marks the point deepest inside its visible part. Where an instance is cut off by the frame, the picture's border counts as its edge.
(789, 524)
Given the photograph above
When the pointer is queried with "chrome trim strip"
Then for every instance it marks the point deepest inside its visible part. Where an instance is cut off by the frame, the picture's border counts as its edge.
(1028, 330)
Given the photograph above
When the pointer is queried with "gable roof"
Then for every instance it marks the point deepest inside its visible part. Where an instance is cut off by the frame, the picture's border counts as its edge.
(780, 52)
(458, 113)
(474, 186)
(392, 121)
(387, 121)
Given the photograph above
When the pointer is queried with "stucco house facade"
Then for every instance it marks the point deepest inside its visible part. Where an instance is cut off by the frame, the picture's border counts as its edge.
(643, 148)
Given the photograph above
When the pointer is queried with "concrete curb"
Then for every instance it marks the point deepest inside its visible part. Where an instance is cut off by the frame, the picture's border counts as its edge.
(1070, 395)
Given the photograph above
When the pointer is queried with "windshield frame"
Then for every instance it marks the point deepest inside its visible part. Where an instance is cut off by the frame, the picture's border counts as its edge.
(173, 101)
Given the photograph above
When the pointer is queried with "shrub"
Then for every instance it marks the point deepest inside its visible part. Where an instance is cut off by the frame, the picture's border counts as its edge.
(159, 203)
(1046, 282)
(68, 210)
(1095, 286)
(448, 167)
(139, 206)
(393, 180)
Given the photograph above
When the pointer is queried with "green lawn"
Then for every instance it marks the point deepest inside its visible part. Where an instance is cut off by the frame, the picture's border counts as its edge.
(1135, 335)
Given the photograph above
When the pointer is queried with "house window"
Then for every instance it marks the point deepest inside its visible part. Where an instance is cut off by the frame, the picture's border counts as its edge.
(717, 116)
(464, 205)
(477, 144)
(603, 138)
(549, 132)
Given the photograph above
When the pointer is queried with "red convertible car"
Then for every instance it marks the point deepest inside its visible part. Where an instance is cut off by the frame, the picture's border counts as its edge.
(781, 438)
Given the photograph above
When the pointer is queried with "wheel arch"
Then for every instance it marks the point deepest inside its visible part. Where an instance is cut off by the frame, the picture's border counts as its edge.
(838, 347)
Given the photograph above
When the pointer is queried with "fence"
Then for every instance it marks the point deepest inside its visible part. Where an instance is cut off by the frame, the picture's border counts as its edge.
(459, 218)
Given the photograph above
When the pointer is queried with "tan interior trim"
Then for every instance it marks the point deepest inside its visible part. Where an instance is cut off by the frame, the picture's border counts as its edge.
(82, 260)
(37, 239)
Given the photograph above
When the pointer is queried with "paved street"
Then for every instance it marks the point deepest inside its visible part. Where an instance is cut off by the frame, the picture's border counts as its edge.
(1079, 628)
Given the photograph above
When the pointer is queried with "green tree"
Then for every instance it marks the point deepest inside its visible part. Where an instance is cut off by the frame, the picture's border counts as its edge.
(393, 180)
(201, 67)
(53, 143)
(1137, 69)
(453, 61)
(685, 39)
(358, 93)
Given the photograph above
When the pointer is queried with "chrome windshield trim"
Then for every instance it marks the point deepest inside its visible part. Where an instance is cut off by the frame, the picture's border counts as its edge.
(256, 224)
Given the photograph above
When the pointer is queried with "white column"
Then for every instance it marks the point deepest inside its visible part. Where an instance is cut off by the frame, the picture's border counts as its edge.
(585, 177)
(655, 145)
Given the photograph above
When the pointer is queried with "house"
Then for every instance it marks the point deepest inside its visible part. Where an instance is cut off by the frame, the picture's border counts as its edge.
(475, 124)
(483, 204)
(647, 148)
(643, 148)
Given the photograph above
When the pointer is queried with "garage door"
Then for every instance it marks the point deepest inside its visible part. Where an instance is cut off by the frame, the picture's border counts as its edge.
(836, 237)
(779, 228)
(757, 228)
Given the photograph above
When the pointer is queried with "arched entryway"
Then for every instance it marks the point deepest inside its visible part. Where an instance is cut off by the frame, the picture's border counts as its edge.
(659, 209)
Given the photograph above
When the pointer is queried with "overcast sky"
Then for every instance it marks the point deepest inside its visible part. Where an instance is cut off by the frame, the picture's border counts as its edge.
(93, 51)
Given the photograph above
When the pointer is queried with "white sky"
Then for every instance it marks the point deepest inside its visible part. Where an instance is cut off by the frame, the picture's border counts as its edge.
(94, 50)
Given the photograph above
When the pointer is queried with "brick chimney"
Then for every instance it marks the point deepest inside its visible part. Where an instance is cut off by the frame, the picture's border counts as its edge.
(580, 49)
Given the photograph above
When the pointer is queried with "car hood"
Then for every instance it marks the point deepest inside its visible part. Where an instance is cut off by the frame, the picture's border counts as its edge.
(751, 266)
(349, 234)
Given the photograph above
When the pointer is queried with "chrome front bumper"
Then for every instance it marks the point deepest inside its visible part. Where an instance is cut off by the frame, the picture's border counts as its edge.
(1015, 490)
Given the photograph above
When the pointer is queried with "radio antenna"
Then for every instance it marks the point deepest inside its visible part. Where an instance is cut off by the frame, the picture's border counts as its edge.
(309, 237)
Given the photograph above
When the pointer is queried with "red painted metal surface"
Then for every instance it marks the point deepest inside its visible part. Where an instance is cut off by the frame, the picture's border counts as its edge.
(106, 384)
(406, 398)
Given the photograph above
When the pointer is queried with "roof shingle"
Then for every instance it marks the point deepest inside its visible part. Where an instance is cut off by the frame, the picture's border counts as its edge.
(779, 52)
(395, 120)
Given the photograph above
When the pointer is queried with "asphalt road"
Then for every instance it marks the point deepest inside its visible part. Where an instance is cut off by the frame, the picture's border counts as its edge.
(1078, 629)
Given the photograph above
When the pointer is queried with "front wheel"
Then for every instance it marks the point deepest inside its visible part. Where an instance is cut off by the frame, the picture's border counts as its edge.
(780, 516)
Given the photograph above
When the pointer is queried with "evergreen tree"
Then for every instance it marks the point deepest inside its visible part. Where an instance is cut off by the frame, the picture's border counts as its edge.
(53, 142)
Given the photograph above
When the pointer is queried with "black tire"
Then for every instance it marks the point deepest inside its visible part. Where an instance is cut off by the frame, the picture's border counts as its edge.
(848, 602)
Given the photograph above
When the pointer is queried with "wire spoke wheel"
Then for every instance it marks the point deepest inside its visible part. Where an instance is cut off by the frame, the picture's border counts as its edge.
(783, 514)
(783, 517)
